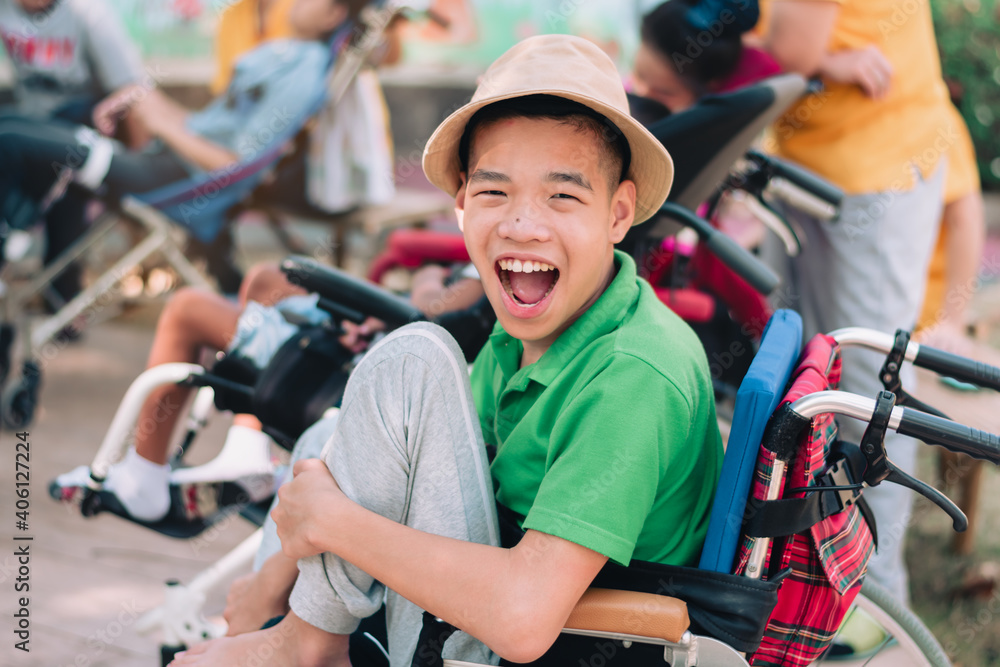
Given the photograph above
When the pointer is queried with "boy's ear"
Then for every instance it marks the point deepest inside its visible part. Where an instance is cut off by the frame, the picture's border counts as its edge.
(460, 202)
(622, 210)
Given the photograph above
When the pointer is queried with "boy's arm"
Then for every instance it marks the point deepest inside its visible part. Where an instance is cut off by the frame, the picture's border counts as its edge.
(513, 600)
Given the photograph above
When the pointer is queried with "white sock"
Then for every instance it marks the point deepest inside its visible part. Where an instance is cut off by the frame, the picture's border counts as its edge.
(141, 485)
(92, 172)
(246, 452)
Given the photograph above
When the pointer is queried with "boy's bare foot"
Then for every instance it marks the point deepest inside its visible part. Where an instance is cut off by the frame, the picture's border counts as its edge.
(290, 643)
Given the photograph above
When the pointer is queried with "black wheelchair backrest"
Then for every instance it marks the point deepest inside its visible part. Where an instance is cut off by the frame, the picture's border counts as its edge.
(708, 138)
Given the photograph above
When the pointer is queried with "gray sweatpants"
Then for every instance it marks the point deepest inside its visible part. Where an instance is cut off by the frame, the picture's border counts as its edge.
(408, 446)
(869, 269)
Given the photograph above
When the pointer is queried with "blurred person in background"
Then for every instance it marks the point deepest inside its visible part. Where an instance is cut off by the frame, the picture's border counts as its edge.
(674, 68)
(878, 131)
(279, 79)
(243, 26)
(67, 55)
(953, 275)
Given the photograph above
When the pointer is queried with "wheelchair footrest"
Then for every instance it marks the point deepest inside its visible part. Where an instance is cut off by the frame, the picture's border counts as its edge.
(193, 507)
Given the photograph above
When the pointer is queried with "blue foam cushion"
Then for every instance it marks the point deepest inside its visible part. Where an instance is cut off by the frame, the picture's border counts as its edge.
(757, 398)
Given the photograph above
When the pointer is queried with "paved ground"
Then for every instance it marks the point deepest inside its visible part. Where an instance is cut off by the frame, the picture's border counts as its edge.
(90, 579)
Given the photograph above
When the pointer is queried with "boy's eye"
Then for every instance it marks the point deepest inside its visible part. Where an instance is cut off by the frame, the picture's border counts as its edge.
(563, 195)
(491, 193)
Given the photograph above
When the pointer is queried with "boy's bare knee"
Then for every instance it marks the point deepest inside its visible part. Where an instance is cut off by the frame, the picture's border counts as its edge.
(426, 340)
(266, 284)
(180, 305)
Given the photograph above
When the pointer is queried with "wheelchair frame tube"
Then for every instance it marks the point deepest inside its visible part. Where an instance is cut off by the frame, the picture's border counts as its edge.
(116, 439)
(755, 562)
(180, 617)
(873, 340)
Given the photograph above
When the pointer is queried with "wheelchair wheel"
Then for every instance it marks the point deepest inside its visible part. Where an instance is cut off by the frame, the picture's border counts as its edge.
(19, 408)
(908, 640)
(19, 402)
(6, 343)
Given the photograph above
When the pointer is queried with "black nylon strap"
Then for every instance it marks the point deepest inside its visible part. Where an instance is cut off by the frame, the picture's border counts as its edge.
(779, 518)
(869, 516)
(430, 644)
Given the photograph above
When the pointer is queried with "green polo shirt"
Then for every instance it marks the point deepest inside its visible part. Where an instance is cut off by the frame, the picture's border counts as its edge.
(610, 439)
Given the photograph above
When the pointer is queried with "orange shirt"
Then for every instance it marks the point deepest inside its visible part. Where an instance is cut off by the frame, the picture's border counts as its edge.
(240, 30)
(866, 145)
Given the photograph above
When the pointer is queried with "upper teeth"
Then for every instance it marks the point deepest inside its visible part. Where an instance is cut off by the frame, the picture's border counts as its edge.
(525, 266)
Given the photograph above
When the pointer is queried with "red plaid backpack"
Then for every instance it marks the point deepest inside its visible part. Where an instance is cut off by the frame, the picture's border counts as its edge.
(824, 559)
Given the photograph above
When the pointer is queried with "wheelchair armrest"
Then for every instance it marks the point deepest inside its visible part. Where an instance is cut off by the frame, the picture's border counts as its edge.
(626, 612)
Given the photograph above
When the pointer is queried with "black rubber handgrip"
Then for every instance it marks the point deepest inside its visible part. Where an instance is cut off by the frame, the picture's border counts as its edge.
(950, 435)
(958, 367)
(802, 178)
(759, 275)
(354, 293)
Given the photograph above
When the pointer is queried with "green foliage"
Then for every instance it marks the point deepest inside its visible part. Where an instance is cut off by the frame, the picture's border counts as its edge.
(968, 34)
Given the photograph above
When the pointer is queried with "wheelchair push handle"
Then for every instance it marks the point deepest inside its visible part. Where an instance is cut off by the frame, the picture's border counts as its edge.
(751, 269)
(907, 421)
(950, 435)
(800, 186)
(349, 293)
(882, 415)
(923, 356)
(958, 367)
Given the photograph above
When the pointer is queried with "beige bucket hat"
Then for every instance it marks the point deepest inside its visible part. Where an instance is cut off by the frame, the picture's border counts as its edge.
(564, 66)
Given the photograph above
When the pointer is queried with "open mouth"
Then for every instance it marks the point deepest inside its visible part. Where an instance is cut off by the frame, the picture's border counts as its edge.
(527, 282)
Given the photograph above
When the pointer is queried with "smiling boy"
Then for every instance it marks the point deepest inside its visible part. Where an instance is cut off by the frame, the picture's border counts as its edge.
(596, 397)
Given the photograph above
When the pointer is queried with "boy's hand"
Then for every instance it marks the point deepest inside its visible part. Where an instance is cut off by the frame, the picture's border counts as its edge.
(296, 514)
(357, 336)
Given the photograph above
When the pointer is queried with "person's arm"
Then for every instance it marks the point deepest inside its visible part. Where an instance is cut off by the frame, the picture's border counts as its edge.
(516, 600)
(965, 223)
(165, 119)
(799, 32)
(798, 37)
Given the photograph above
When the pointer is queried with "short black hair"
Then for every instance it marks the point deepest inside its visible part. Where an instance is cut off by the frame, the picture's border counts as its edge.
(354, 7)
(615, 154)
(701, 56)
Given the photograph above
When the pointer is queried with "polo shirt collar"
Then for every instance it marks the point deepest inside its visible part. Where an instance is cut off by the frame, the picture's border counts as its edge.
(604, 316)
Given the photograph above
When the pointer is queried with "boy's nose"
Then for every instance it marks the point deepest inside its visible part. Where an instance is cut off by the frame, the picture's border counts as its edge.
(524, 224)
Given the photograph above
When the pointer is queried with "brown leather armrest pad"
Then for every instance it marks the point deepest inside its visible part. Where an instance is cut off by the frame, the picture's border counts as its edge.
(630, 613)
